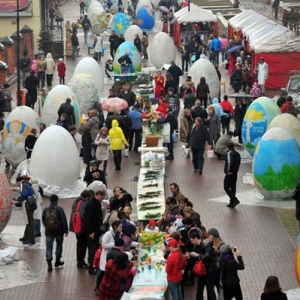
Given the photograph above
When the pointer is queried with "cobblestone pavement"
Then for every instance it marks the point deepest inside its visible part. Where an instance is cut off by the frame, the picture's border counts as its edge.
(265, 235)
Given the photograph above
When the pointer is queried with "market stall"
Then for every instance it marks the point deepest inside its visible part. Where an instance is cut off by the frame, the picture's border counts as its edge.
(197, 19)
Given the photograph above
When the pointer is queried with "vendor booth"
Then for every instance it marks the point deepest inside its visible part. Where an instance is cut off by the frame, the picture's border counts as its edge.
(185, 22)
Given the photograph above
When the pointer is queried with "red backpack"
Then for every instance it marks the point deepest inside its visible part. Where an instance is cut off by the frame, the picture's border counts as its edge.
(76, 220)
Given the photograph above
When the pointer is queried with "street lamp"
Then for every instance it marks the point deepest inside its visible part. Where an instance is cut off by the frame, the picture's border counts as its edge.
(18, 56)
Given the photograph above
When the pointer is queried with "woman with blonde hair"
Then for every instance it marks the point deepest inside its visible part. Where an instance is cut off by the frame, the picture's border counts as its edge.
(102, 142)
(194, 216)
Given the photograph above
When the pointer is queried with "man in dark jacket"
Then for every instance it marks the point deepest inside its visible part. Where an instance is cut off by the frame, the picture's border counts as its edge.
(75, 44)
(86, 25)
(120, 199)
(93, 173)
(68, 109)
(93, 221)
(231, 169)
(127, 94)
(196, 139)
(170, 118)
(56, 227)
(31, 84)
(115, 116)
(82, 237)
(204, 251)
(30, 141)
(113, 42)
(176, 72)
(199, 112)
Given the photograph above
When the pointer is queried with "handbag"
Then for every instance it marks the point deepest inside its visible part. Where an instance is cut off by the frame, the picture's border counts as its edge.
(31, 202)
(199, 268)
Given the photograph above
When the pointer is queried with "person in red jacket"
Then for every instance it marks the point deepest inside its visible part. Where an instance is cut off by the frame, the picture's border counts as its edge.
(228, 113)
(174, 267)
(162, 106)
(288, 107)
(61, 70)
(159, 84)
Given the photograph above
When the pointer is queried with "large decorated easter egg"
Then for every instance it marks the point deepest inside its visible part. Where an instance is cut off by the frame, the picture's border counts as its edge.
(162, 50)
(55, 160)
(145, 18)
(99, 20)
(127, 48)
(131, 31)
(17, 127)
(256, 121)
(276, 164)
(84, 88)
(119, 23)
(88, 65)
(54, 99)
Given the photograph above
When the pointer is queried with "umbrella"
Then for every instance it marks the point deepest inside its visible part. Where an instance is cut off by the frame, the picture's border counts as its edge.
(114, 103)
(234, 48)
(164, 9)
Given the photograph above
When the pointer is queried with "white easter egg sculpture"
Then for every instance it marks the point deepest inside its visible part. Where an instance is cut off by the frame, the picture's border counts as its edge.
(131, 31)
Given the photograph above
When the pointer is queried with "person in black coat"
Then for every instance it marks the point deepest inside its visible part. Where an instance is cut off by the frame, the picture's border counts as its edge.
(115, 116)
(120, 199)
(236, 79)
(127, 123)
(127, 94)
(68, 109)
(125, 62)
(170, 118)
(229, 277)
(198, 111)
(63, 121)
(87, 146)
(113, 41)
(196, 140)
(93, 173)
(138, 43)
(202, 91)
(272, 290)
(30, 141)
(31, 84)
(176, 72)
(93, 221)
(239, 113)
(231, 169)
(169, 83)
(57, 235)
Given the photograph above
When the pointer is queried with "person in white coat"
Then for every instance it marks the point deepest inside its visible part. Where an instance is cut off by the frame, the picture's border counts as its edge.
(108, 242)
(263, 73)
(98, 45)
(49, 69)
(37, 214)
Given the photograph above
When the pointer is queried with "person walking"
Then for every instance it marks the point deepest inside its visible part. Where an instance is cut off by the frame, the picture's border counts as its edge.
(113, 42)
(98, 46)
(25, 64)
(30, 142)
(202, 91)
(175, 72)
(272, 290)
(228, 113)
(236, 79)
(145, 44)
(186, 122)
(214, 49)
(229, 276)
(93, 220)
(117, 140)
(224, 44)
(93, 123)
(239, 113)
(262, 75)
(67, 109)
(102, 142)
(82, 7)
(56, 227)
(86, 25)
(49, 69)
(214, 125)
(136, 129)
(196, 140)
(231, 169)
(61, 71)
(275, 7)
(78, 207)
(75, 44)
(40, 71)
(31, 84)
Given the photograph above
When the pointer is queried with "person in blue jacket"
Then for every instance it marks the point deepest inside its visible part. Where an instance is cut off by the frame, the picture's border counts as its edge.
(215, 47)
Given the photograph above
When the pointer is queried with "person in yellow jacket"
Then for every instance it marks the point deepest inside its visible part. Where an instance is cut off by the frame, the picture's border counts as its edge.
(117, 140)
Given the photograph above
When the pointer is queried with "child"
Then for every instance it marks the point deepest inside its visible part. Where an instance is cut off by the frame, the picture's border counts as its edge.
(61, 70)
(34, 67)
(151, 227)
(103, 142)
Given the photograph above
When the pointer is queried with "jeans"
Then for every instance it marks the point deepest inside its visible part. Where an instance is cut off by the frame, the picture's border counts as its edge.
(112, 52)
(82, 244)
(37, 226)
(41, 79)
(29, 229)
(98, 56)
(74, 52)
(223, 52)
(49, 78)
(125, 69)
(137, 138)
(184, 62)
(230, 186)
(82, 10)
(117, 158)
(86, 33)
(198, 160)
(175, 290)
(208, 281)
(49, 246)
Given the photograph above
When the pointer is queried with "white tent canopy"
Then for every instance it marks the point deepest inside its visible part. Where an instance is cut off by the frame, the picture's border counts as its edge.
(248, 18)
(259, 26)
(197, 14)
(184, 10)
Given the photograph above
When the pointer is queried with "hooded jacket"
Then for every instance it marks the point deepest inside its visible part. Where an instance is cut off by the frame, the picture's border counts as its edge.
(49, 64)
(218, 107)
(116, 136)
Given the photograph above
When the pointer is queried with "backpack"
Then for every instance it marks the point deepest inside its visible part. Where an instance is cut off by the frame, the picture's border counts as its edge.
(51, 219)
(86, 25)
(76, 219)
(31, 198)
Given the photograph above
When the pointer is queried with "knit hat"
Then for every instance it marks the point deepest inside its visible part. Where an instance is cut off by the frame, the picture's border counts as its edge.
(174, 242)
(214, 232)
(119, 242)
(225, 249)
(152, 222)
(53, 198)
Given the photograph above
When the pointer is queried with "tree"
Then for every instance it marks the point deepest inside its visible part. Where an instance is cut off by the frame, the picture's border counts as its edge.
(45, 41)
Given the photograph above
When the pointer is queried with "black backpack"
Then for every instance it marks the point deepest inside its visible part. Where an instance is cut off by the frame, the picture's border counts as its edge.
(51, 219)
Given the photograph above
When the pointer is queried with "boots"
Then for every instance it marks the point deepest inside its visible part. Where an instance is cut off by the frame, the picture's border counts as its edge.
(58, 262)
(49, 262)
(190, 279)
